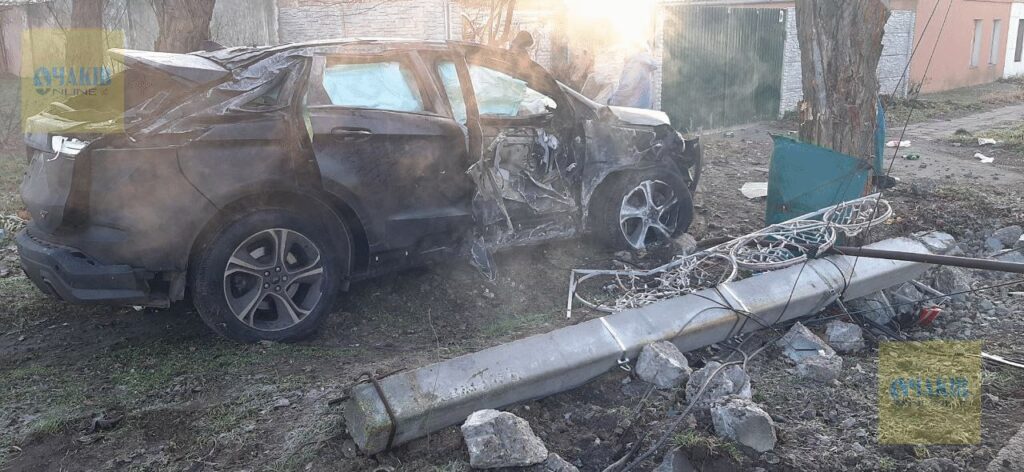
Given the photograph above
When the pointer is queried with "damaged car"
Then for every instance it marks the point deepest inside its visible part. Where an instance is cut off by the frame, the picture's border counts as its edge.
(259, 183)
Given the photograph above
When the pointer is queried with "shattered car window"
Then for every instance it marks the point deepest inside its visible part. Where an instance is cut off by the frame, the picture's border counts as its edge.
(501, 95)
(378, 86)
(453, 88)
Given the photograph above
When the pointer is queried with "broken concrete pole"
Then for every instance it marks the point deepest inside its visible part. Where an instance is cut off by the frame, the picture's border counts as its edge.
(743, 421)
(824, 368)
(500, 439)
(443, 394)
(731, 381)
(800, 343)
(844, 337)
(663, 365)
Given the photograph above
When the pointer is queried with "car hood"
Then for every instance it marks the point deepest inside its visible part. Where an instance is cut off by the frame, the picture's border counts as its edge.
(640, 116)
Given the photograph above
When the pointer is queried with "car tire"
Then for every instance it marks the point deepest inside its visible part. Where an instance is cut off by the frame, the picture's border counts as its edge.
(268, 275)
(632, 210)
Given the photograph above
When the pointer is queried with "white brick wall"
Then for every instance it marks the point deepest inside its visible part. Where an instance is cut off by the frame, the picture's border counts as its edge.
(897, 44)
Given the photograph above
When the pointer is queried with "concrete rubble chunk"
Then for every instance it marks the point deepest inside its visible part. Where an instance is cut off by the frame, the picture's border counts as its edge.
(820, 368)
(800, 343)
(844, 337)
(685, 244)
(675, 461)
(952, 280)
(500, 439)
(554, 463)
(1009, 235)
(663, 365)
(731, 381)
(743, 421)
(874, 307)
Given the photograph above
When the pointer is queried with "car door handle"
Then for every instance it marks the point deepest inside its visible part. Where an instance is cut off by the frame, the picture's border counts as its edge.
(350, 135)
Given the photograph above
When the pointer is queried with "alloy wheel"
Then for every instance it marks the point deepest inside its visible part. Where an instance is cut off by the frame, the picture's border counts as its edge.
(649, 212)
(274, 279)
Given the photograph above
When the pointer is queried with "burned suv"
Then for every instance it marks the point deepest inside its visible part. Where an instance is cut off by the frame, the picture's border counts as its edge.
(261, 182)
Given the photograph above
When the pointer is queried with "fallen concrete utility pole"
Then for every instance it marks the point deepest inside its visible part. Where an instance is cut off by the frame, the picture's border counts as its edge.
(427, 399)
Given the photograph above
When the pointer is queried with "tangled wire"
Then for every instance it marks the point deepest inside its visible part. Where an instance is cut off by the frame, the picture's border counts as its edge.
(775, 247)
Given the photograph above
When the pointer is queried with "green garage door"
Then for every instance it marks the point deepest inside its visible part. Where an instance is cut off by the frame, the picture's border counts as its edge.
(722, 66)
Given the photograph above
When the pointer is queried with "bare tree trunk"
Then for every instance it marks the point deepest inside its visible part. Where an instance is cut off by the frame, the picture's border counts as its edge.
(840, 45)
(86, 42)
(184, 24)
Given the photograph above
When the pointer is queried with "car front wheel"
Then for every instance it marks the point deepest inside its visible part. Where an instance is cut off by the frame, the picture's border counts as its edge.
(636, 209)
(268, 275)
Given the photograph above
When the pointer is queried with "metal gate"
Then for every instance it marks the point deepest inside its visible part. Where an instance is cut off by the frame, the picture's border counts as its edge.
(722, 66)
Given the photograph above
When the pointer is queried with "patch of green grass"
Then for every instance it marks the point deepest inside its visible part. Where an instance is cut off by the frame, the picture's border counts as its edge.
(1009, 137)
(514, 324)
(693, 440)
(887, 464)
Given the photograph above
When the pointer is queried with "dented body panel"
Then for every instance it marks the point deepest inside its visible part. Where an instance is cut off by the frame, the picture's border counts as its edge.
(241, 127)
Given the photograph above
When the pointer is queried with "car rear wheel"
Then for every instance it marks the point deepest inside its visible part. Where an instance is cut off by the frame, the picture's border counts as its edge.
(636, 209)
(268, 275)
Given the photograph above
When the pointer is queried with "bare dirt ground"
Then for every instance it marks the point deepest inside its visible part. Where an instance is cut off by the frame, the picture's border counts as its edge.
(117, 389)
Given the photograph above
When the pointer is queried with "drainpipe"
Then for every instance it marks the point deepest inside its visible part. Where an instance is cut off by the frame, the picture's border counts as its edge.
(444, 394)
(447, 20)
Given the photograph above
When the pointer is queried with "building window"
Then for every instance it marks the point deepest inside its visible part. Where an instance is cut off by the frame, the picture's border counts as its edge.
(997, 31)
(976, 44)
(1020, 41)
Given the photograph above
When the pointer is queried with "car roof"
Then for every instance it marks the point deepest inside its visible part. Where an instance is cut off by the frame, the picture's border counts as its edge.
(241, 56)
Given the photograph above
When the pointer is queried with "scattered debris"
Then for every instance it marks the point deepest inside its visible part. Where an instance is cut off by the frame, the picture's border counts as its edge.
(824, 368)
(743, 421)
(952, 281)
(102, 423)
(501, 439)
(732, 381)
(775, 247)
(800, 343)
(663, 365)
(912, 157)
(844, 337)
(902, 144)
(1009, 236)
(984, 159)
(875, 307)
(753, 190)
(986, 141)
(282, 403)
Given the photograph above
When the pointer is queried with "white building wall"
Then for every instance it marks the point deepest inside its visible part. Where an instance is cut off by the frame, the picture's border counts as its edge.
(897, 46)
(1014, 68)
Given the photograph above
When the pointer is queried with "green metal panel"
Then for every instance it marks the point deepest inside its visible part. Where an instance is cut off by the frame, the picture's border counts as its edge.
(722, 66)
(804, 178)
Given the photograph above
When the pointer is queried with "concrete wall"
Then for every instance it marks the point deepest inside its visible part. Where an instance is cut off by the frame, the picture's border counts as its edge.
(1012, 67)
(897, 46)
(952, 65)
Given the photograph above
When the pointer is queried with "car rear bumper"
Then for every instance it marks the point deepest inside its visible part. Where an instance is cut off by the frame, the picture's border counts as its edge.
(72, 276)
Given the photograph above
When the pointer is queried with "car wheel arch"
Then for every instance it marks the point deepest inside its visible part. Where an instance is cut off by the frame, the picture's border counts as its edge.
(322, 204)
(596, 184)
